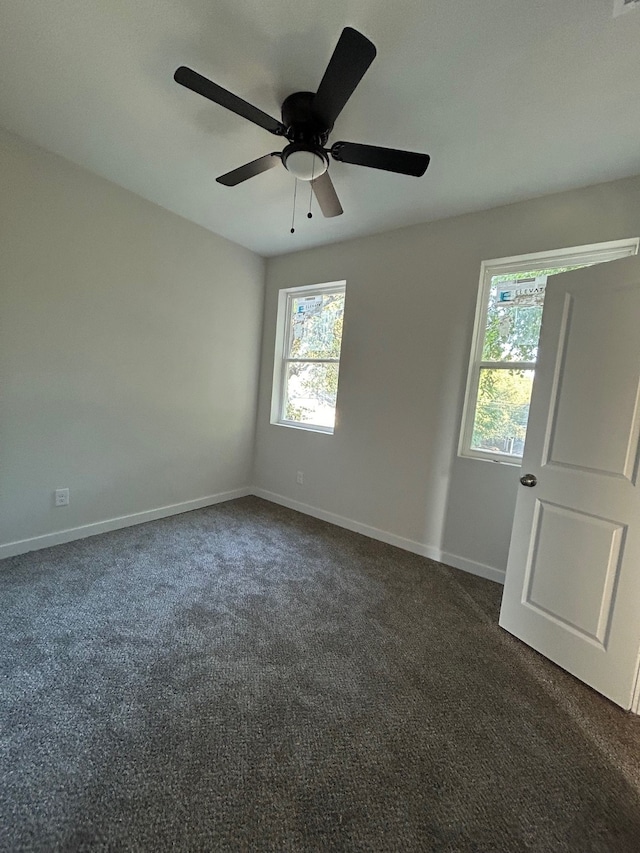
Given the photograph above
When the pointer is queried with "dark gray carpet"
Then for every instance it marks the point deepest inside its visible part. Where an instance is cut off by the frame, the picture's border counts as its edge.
(246, 678)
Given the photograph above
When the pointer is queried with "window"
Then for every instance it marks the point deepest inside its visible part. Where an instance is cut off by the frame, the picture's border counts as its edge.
(505, 345)
(307, 362)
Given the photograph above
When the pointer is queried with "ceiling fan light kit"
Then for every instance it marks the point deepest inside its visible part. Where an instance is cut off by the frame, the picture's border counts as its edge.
(304, 162)
(307, 122)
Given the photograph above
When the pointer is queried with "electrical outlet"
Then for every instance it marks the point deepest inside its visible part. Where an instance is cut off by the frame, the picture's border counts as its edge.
(300, 477)
(62, 497)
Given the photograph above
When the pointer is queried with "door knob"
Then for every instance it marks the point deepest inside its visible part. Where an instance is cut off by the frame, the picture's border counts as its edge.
(528, 480)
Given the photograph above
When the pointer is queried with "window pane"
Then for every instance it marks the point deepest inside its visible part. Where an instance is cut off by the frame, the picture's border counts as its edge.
(502, 411)
(310, 393)
(513, 320)
(316, 326)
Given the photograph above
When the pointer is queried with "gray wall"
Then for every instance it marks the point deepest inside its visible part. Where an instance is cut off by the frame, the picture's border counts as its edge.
(392, 463)
(129, 348)
(130, 344)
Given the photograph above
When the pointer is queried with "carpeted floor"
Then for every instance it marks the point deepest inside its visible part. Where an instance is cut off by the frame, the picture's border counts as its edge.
(246, 678)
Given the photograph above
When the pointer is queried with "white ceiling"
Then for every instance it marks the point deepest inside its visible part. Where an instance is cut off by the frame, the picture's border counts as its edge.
(512, 99)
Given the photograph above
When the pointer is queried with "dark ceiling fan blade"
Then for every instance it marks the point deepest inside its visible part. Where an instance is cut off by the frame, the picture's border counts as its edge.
(249, 170)
(389, 159)
(353, 54)
(199, 84)
(326, 195)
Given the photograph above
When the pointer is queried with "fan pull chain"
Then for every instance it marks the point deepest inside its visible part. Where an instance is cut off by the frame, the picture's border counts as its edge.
(293, 216)
(309, 215)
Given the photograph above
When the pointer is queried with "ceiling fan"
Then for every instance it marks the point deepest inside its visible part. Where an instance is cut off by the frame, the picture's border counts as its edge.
(307, 121)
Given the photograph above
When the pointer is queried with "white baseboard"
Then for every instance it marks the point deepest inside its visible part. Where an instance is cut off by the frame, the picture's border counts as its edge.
(635, 699)
(35, 543)
(350, 524)
(421, 548)
(473, 567)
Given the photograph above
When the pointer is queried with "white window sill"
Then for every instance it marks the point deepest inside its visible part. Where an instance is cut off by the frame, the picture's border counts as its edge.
(305, 427)
(496, 460)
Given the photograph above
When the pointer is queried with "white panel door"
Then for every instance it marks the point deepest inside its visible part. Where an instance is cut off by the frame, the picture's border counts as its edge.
(572, 588)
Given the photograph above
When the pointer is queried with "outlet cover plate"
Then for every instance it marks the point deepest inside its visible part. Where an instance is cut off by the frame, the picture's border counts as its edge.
(62, 497)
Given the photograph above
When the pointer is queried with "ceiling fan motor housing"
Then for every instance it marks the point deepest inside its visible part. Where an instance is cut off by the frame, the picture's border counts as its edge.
(300, 121)
(304, 157)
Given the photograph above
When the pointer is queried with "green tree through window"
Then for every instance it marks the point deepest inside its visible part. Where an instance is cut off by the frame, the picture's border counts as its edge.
(320, 338)
(311, 320)
(511, 336)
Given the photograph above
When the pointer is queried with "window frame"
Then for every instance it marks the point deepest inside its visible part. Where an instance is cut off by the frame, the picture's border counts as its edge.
(282, 359)
(590, 254)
